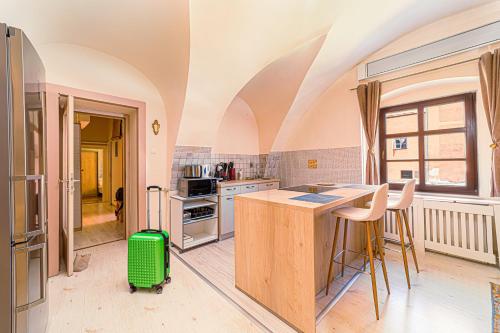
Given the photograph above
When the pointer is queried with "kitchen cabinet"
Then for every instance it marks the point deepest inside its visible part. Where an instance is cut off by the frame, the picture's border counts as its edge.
(227, 216)
(230, 190)
(268, 186)
(193, 221)
(249, 188)
(227, 191)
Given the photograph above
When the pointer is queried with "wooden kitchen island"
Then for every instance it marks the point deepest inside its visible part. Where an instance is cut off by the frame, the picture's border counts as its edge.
(283, 246)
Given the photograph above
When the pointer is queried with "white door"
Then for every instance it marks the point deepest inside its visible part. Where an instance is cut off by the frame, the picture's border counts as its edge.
(68, 182)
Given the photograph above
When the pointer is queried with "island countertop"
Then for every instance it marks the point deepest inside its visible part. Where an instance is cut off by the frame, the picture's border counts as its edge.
(347, 192)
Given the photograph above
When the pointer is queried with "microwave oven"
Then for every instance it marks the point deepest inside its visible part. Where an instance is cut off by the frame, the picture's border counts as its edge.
(197, 187)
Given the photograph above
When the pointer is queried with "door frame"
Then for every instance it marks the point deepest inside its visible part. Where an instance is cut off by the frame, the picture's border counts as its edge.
(67, 181)
(135, 181)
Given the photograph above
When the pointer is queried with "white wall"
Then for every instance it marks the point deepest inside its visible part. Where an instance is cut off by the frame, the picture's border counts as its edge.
(83, 68)
(238, 132)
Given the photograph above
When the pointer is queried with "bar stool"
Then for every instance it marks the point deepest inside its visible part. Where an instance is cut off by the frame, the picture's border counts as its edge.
(369, 217)
(399, 207)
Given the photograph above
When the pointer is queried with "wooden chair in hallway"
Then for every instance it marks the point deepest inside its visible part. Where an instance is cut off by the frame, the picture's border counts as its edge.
(369, 217)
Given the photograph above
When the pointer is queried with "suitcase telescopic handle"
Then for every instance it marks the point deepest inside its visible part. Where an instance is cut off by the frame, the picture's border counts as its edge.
(149, 188)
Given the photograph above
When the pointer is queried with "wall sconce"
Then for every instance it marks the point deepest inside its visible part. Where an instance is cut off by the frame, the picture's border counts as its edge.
(156, 127)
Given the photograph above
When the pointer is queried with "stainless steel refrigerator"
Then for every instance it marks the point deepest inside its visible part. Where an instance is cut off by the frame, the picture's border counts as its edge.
(23, 221)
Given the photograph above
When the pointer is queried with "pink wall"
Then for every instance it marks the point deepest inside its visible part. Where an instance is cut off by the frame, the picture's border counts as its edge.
(53, 92)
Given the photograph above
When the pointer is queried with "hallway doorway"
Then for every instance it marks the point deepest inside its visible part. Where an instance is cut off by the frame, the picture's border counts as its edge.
(99, 159)
(125, 148)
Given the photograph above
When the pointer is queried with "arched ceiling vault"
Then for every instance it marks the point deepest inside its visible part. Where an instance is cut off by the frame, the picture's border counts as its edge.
(201, 54)
(271, 92)
(232, 41)
(363, 28)
(152, 36)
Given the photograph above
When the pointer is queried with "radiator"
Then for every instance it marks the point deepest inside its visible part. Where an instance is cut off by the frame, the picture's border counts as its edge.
(460, 229)
(391, 228)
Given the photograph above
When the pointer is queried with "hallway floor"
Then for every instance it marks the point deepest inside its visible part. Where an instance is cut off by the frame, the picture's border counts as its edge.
(99, 226)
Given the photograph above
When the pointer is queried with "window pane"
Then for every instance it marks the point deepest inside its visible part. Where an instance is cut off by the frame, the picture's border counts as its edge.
(403, 148)
(444, 116)
(448, 173)
(401, 121)
(400, 172)
(445, 145)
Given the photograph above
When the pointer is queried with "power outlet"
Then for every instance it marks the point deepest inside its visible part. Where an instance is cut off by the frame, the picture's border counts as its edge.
(312, 164)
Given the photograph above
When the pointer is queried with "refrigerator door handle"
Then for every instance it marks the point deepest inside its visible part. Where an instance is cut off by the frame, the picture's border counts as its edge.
(42, 214)
(43, 275)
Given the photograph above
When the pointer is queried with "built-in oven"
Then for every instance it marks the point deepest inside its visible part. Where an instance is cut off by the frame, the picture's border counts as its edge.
(197, 187)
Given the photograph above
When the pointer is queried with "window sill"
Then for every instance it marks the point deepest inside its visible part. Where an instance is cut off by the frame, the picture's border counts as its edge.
(459, 198)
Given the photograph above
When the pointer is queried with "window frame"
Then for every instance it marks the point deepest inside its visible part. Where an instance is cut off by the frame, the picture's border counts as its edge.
(469, 100)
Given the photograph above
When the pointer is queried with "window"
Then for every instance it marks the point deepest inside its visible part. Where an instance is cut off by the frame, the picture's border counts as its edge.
(400, 143)
(431, 141)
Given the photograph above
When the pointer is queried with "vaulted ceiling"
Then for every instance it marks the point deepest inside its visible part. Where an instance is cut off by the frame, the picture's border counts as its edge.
(201, 55)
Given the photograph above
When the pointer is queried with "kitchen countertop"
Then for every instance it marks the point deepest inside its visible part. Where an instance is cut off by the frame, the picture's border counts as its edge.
(245, 182)
(283, 197)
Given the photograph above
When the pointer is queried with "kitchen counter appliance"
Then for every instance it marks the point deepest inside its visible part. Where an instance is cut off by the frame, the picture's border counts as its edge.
(197, 187)
(193, 171)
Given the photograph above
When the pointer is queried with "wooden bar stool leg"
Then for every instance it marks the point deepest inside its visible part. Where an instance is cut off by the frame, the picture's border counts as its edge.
(372, 268)
(381, 221)
(330, 269)
(365, 253)
(403, 248)
(408, 232)
(381, 253)
(344, 243)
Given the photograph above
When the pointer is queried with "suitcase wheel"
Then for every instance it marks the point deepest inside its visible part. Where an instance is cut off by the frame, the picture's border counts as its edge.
(158, 289)
(132, 288)
(168, 280)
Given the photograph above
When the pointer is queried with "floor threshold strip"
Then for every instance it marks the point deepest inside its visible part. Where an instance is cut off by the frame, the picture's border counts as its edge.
(223, 294)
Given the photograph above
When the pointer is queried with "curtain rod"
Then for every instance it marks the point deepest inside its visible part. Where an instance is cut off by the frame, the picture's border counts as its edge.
(425, 71)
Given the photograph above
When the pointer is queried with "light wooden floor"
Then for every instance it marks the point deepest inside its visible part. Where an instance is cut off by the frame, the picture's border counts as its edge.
(215, 262)
(97, 301)
(449, 295)
(99, 226)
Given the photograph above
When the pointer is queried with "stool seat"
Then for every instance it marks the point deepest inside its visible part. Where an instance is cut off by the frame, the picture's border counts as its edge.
(353, 213)
(391, 204)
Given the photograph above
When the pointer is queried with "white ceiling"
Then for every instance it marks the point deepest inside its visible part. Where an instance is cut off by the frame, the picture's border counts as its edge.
(214, 48)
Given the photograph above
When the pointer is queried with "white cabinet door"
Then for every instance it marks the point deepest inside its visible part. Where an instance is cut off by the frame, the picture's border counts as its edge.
(249, 188)
(227, 216)
(268, 186)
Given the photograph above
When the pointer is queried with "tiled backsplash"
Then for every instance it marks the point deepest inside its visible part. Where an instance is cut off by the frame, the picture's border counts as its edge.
(341, 165)
(338, 165)
(250, 165)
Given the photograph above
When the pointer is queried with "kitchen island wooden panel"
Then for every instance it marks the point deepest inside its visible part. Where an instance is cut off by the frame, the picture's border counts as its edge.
(282, 248)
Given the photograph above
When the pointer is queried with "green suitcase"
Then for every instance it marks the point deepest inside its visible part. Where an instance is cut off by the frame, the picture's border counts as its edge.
(149, 256)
